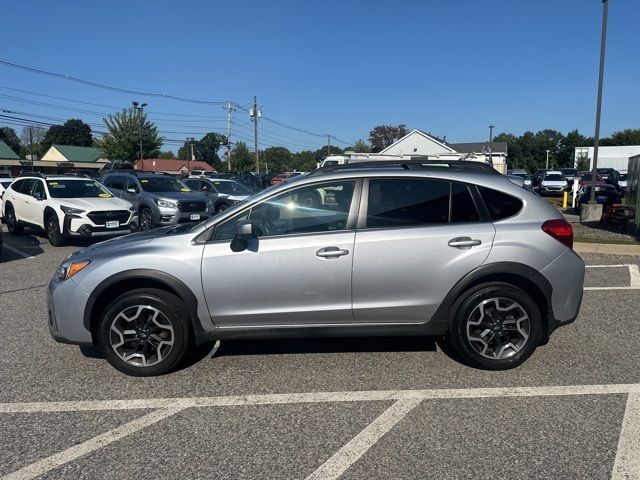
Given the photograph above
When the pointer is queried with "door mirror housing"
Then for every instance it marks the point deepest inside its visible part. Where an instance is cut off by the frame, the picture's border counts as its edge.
(131, 190)
(244, 232)
(38, 195)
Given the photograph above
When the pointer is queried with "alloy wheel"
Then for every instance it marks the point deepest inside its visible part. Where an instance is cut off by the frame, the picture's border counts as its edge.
(498, 328)
(141, 335)
(146, 220)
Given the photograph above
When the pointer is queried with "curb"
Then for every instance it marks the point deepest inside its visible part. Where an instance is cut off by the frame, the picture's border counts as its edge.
(606, 248)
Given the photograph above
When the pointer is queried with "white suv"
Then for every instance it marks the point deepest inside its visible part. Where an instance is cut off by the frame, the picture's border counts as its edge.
(66, 206)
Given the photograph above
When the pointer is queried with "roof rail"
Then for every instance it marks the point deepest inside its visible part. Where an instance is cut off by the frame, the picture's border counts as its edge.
(413, 164)
(32, 174)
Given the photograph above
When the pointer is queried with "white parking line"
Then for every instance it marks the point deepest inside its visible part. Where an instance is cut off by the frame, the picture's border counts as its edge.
(358, 446)
(18, 252)
(46, 464)
(627, 463)
(634, 277)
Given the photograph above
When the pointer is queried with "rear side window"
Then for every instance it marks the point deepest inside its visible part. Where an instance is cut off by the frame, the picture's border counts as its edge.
(404, 202)
(24, 186)
(500, 205)
(463, 208)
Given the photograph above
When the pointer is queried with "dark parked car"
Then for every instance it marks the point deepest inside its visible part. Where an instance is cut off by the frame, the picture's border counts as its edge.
(223, 192)
(606, 195)
(585, 179)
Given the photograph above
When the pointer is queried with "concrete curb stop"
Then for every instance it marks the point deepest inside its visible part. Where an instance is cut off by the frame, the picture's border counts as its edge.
(607, 248)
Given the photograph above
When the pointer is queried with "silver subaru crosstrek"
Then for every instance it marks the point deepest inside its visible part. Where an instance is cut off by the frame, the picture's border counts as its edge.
(447, 249)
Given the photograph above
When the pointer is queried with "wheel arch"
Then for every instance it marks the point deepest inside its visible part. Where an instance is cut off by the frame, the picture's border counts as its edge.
(122, 282)
(49, 211)
(519, 275)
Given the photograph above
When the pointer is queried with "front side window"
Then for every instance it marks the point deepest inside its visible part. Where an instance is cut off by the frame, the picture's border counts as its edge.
(38, 190)
(309, 209)
(231, 188)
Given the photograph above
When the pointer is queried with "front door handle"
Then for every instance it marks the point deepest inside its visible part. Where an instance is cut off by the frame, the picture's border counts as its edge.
(464, 242)
(331, 252)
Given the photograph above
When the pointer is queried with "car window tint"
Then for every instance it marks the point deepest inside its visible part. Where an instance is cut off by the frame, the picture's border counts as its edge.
(194, 184)
(500, 205)
(404, 202)
(118, 182)
(17, 185)
(130, 183)
(25, 186)
(38, 188)
(309, 209)
(227, 230)
(463, 208)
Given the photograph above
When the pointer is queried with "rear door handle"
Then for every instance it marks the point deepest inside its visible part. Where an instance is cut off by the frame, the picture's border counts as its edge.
(330, 252)
(464, 242)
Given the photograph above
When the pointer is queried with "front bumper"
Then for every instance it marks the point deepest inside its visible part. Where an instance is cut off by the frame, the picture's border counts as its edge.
(66, 303)
(74, 226)
(171, 216)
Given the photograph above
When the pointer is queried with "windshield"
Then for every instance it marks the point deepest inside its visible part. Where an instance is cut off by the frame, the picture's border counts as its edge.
(554, 178)
(521, 175)
(163, 184)
(77, 189)
(231, 188)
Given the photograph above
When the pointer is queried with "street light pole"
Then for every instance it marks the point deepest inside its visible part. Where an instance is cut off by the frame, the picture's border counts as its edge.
(603, 42)
(547, 164)
(139, 110)
(491, 127)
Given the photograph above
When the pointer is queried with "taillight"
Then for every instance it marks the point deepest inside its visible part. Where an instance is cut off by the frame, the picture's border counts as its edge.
(561, 230)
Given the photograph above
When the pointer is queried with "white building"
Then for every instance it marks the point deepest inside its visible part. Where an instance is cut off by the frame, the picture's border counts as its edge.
(609, 157)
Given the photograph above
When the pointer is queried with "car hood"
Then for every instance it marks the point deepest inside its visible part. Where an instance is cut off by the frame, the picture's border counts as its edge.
(95, 204)
(126, 241)
(554, 182)
(238, 198)
(183, 196)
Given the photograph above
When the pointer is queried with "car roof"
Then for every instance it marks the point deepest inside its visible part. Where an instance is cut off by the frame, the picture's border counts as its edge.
(54, 177)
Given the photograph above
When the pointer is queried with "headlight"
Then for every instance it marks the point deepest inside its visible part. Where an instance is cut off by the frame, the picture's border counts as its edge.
(69, 268)
(71, 210)
(165, 203)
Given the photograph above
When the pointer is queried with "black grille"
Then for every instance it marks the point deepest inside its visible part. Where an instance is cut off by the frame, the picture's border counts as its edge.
(100, 218)
(192, 206)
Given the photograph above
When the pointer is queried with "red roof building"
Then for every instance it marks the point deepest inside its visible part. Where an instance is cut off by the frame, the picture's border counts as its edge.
(171, 165)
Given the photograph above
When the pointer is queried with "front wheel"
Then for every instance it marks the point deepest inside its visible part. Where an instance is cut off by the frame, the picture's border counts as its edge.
(146, 220)
(13, 226)
(52, 228)
(144, 332)
(496, 326)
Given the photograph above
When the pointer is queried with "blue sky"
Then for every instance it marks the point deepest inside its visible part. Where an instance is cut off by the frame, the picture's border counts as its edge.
(339, 67)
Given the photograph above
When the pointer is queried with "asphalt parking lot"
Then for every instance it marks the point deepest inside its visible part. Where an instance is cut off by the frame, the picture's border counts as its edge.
(321, 409)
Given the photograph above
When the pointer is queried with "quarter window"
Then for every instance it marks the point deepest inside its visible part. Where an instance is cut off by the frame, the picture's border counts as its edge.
(500, 205)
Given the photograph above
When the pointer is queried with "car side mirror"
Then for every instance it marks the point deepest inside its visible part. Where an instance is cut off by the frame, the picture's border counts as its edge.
(38, 196)
(131, 190)
(244, 232)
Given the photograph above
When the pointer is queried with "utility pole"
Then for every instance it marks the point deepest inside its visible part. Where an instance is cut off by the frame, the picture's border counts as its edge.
(491, 127)
(229, 110)
(139, 110)
(255, 114)
(328, 145)
(189, 156)
(603, 42)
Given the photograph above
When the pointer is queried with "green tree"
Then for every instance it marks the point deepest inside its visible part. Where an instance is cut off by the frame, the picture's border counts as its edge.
(304, 161)
(32, 136)
(168, 154)
(382, 136)
(630, 136)
(324, 152)
(278, 159)
(205, 149)
(567, 151)
(361, 147)
(122, 142)
(242, 160)
(8, 136)
(72, 132)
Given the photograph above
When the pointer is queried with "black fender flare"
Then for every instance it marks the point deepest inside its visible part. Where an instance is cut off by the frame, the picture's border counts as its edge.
(493, 272)
(171, 282)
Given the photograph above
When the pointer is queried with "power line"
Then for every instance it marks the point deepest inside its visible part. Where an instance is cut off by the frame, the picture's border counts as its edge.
(105, 86)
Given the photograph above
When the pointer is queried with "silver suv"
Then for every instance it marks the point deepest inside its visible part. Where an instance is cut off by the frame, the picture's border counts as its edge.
(161, 199)
(450, 249)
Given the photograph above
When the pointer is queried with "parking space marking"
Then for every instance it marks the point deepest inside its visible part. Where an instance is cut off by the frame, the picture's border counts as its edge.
(634, 277)
(316, 397)
(18, 252)
(58, 459)
(627, 462)
(358, 446)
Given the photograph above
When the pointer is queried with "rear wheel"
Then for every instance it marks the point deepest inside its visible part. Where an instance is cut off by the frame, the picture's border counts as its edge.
(144, 332)
(496, 326)
(52, 228)
(13, 226)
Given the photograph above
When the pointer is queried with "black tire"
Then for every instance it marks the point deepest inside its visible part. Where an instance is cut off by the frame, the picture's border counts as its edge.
(52, 229)
(222, 208)
(172, 313)
(465, 309)
(13, 226)
(145, 220)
